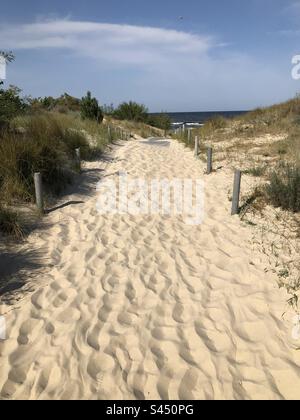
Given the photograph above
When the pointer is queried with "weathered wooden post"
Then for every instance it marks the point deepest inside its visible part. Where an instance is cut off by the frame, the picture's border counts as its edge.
(196, 147)
(38, 184)
(189, 136)
(236, 192)
(209, 160)
(109, 133)
(78, 159)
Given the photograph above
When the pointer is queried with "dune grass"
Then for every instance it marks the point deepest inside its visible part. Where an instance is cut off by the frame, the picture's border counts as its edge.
(283, 189)
(45, 145)
(256, 171)
(10, 223)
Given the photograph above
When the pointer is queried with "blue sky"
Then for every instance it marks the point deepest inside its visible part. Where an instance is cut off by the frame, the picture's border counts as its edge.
(223, 55)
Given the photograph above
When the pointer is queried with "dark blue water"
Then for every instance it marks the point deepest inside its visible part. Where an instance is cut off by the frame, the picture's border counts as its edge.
(199, 118)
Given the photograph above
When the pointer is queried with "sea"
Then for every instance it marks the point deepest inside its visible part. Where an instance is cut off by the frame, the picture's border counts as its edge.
(197, 119)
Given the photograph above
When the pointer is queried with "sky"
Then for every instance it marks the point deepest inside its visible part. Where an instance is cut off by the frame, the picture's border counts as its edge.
(170, 55)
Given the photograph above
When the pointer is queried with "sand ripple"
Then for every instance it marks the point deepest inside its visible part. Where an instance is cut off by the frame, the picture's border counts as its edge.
(149, 307)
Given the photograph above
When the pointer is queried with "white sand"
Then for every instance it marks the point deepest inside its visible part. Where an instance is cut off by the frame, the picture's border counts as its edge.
(147, 306)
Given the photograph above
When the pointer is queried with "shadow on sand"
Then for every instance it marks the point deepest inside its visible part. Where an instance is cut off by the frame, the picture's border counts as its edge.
(62, 206)
(17, 268)
(156, 141)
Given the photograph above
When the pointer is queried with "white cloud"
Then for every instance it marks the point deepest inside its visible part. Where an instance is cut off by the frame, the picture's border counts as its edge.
(102, 41)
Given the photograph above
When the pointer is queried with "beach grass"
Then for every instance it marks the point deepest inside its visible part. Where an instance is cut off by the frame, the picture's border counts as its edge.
(10, 223)
(283, 190)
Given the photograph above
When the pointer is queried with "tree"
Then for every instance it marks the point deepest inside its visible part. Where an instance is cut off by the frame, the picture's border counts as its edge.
(90, 108)
(132, 111)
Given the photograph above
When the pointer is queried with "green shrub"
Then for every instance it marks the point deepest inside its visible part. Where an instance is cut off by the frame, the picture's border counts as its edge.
(90, 109)
(162, 121)
(63, 104)
(11, 105)
(284, 188)
(132, 111)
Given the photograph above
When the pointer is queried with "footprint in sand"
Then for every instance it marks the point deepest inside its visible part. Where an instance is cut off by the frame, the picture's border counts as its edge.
(30, 330)
(69, 316)
(100, 363)
(17, 375)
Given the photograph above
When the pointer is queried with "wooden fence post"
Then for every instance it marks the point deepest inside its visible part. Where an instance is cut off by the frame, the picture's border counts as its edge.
(196, 147)
(39, 191)
(78, 159)
(189, 136)
(236, 192)
(209, 160)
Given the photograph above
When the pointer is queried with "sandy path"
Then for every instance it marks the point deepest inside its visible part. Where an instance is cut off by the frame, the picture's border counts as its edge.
(149, 307)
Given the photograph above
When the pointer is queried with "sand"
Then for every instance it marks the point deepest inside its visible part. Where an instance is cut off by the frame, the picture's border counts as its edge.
(148, 307)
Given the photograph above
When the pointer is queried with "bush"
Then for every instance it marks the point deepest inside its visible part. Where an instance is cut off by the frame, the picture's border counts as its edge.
(64, 104)
(284, 188)
(90, 109)
(162, 121)
(132, 111)
(11, 105)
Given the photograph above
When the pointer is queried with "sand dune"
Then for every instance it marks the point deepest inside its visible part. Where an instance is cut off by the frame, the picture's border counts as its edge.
(147, 306)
